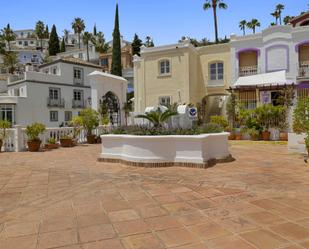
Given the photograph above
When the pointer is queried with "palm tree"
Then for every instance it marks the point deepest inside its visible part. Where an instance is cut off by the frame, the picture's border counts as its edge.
(10, 60)
(253, 24)
(276, 15)
(40, 32)
(242, 26)
(158, 118)
(66, 35)
(214, 4)
(78, 26)
(87, 37)
(100, 45)
(8, 35)
(279, 9)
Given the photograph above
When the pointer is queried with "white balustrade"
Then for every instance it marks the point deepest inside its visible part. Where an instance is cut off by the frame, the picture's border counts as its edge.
(16, 138)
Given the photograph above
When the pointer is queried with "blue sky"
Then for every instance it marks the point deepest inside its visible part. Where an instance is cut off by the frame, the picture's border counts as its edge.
(164, 20)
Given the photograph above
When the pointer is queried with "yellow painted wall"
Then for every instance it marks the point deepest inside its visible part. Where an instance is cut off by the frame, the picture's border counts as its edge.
(189, 75)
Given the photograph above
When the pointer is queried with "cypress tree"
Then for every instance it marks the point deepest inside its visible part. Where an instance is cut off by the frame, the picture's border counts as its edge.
(95, 30)
(136, 45)
(62, 47)
(46, 33)
(53, 44)
(116, 57)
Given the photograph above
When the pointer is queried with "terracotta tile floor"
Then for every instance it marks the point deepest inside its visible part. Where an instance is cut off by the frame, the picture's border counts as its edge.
(65, 199)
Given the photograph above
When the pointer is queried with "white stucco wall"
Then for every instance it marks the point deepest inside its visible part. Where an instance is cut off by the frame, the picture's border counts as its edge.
(154, 149)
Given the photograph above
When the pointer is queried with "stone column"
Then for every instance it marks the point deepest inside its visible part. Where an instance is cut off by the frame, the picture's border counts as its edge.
(18, 138)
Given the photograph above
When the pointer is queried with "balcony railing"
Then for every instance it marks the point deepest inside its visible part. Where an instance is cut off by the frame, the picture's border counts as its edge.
(55, 102)
(303, 69)
(78, 103)
(248, 70)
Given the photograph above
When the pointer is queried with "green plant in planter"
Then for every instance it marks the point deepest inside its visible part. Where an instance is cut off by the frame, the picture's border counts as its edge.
(34, 130)
(4, 125)
(158, 117)
(220, 120)
(231, 109)
(90, 120)
(301, 119)
(76, 123)
(51, 140)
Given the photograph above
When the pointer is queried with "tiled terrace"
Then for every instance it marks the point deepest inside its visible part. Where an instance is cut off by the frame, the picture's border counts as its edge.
(66, 199)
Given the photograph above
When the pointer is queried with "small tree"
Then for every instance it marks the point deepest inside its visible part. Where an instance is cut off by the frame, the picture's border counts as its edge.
(90, 120)
(62, 47)
(127, 108)
(136, 45)
(10, 60)
(4, 125)
(301, 119)
(34, 130)
(8, 35)
(54, 45)
(231, 111)
(40, 32)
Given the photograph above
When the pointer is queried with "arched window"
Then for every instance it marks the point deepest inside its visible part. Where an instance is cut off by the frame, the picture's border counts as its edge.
(164, 67)
(216, 70)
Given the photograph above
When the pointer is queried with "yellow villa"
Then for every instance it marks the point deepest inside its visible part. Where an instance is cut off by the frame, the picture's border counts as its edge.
(183, 74)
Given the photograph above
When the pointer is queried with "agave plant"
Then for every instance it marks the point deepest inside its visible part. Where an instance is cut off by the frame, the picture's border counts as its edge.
(158, 117)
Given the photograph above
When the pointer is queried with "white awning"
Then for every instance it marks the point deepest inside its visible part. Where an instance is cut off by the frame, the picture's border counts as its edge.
(267, 79)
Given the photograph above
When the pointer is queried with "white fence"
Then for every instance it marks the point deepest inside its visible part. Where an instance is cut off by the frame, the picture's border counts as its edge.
(16, 138)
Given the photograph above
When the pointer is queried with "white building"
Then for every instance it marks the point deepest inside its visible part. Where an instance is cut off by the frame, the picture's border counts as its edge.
(52, 96)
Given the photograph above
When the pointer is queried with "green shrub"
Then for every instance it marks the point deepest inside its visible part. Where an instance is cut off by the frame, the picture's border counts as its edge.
(90, 120)
(3, 126)
(51, 140)
(211, 128)
(34, 130)
(220, 120)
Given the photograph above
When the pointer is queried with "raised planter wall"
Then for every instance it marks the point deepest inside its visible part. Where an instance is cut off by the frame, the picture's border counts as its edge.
(156, 151)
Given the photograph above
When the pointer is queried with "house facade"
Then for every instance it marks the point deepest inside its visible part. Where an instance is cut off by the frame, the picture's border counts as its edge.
(60, 90)
(181, 73)
(258, 59)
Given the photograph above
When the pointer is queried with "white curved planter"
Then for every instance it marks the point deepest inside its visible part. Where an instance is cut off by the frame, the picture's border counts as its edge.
(169, 150)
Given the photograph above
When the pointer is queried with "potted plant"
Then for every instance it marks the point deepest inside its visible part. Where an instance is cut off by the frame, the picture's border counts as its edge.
(264, 116)
(66, 141)
(301, 119)
(232, 135)
(254, 134)
(77, 124)
(33, 131)
(51, 144)
(282, 123)
(90, 121)
(3, 126)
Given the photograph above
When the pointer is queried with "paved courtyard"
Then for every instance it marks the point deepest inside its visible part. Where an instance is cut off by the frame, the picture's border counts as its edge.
(66, 199)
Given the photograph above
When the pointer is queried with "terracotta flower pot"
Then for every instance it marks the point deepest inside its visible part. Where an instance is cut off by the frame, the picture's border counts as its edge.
(238, 136)
(1, 143)
(91, 139)
(34, 145)
(51, 146)
(254, 137)
(66, 142)
(232, 137)
(266, 135)
(283, 136)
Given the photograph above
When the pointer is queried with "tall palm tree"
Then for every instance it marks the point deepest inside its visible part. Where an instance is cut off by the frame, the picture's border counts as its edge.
(276, 15)
(8, 35)
(78, 26)
(100, 45)
(253, 24)
(242, 26)
(279, 8)
(158, 118)
(87, 37)
(214, 4)
(40, 32)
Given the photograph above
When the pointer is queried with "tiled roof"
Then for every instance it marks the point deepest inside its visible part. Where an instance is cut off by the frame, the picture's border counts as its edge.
(72, 60)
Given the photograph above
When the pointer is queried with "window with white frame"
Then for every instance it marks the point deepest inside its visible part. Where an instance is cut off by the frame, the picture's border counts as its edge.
(164, 67)
(54, 93)
(165, 100)
(78, 95)
(53, 116)
(7, 113)
(216, 71)
(78, 75)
